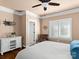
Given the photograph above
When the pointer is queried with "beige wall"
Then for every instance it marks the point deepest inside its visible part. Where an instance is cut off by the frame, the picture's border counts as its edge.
(19, 28)
(5, 30)
(75, 23)
(23, 29)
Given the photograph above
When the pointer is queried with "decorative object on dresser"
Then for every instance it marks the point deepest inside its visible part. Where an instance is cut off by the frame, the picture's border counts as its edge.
(10, 43)
(42, 37)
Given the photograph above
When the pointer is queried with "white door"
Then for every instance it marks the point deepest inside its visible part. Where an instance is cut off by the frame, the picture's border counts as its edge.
(32, 32)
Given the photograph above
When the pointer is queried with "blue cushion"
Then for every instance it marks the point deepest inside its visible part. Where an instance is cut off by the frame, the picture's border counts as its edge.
(74, 47)
(74, 44)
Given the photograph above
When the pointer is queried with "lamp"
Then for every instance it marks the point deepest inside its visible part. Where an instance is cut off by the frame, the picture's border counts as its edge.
(45, 4)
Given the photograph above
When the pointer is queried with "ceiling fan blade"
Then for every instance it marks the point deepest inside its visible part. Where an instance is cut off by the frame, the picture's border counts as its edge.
(53, 4)
(36, 5)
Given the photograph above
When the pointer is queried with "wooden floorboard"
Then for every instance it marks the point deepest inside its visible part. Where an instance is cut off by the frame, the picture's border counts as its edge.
(10, 54)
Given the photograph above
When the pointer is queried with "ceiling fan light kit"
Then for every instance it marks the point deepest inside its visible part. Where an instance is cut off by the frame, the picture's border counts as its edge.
(45, 3)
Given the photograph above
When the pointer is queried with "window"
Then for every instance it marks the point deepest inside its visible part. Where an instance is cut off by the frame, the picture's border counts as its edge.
(60, 28)
(53, 29)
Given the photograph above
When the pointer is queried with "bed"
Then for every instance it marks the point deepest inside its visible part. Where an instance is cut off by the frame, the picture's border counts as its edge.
(46, 50)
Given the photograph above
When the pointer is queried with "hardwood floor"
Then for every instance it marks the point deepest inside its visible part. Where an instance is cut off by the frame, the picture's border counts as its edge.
(10, 55)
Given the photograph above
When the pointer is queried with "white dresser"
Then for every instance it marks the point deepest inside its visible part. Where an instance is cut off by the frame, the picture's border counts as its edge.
(10, 43)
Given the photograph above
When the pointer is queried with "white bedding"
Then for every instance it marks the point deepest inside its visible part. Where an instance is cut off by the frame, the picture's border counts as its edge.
(46, 50)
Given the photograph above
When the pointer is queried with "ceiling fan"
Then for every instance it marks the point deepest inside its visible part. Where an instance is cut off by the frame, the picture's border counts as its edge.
(45, 3)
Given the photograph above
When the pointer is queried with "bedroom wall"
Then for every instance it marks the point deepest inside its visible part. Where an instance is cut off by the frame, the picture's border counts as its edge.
(19, 28)
(5, 30)
(75, 24)
(23, 29)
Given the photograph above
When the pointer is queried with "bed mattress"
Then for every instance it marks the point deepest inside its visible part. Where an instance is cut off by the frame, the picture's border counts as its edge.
(46, 50)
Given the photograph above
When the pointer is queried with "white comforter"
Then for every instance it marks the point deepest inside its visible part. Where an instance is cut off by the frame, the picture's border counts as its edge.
(46, 50)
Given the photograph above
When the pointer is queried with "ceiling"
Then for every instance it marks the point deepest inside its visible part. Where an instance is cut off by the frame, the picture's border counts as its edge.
(27, 5)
